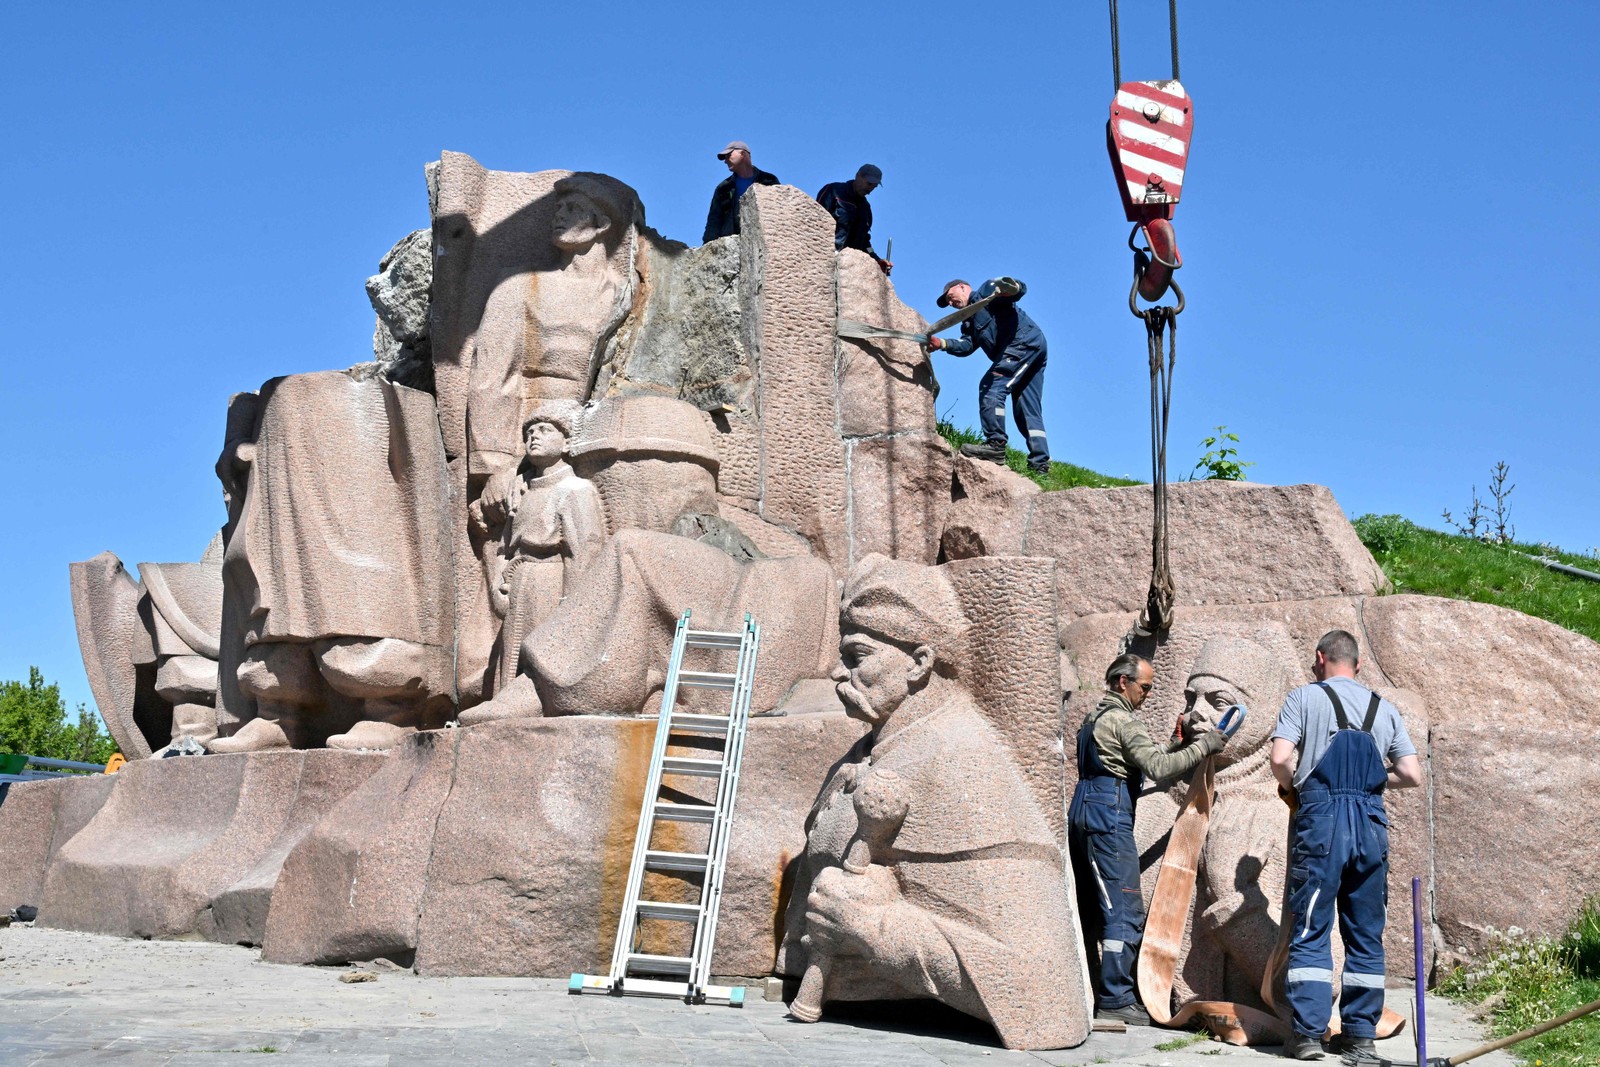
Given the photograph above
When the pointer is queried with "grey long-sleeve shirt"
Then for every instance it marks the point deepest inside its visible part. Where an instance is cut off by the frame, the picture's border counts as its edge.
(1123, 742)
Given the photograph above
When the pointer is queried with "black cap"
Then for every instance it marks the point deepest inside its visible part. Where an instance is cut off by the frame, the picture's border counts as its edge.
(870, 172)
(944, 294)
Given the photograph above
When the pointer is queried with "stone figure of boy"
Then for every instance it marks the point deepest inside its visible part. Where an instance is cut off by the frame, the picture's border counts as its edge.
(961, 897)
(549, 524)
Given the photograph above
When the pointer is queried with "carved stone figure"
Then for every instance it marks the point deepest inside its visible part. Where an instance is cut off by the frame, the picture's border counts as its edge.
(543, 333)
(549, 526)
(338, 566)
(604, 650)
(953, 887)
(1241, 876)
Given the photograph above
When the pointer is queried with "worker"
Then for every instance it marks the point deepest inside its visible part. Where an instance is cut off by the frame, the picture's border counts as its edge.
(1115, 757)
(723, 218)
(1015, 344)
(852, 215)
(1329, 752)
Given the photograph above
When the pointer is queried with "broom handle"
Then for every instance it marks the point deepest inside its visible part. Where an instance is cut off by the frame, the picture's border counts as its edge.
(1532, 1031)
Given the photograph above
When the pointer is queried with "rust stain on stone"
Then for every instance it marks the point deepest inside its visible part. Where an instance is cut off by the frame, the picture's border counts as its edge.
(635, 739)
(782, 889)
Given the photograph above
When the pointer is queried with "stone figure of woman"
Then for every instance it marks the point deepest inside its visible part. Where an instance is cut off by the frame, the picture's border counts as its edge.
(551, 527)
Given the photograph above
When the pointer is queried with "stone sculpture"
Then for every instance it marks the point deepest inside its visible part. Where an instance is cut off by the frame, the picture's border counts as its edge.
(338, 566)
(543, 334)
(604, 650)
(150, 647)
(547, 526)
(1242, 869)
(958, 892)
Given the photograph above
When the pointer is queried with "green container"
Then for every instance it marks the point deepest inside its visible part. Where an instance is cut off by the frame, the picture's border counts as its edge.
(12, 764)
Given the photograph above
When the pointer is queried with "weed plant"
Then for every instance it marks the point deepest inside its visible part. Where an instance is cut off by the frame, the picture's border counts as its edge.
(1529, 980)
(1419, 560)
(1060, 475)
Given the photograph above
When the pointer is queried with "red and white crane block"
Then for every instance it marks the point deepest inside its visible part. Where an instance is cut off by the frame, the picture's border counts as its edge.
(1148, 138)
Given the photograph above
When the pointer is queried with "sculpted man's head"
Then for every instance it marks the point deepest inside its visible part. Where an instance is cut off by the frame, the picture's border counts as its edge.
(1236, 670)
(901, 627)
(590, 208)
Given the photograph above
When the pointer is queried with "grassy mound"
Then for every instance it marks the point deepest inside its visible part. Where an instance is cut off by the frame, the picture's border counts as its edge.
(1419, 560)
(1060, 475)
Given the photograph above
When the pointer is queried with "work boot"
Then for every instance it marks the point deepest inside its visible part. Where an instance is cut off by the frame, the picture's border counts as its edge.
(992, 453)
(1301, 1047)
(1132, 1014)
(1040, 468)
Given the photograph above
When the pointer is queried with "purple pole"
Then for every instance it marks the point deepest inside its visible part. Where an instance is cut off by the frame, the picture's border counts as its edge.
(1416, 940)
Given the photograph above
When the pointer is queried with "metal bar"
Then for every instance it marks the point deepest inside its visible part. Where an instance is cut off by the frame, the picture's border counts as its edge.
(1420, 1023)
(1172, 23)
(65, 764)
(1522, 1035)
(1557, 565)
(1116, 52)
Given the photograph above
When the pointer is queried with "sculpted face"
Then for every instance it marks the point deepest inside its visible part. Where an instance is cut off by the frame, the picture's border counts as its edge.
(1207, 697)
(579, 222)
(544, 442)
(873, 677)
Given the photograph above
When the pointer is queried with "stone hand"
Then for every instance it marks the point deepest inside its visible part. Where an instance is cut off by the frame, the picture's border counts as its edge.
(844, 913)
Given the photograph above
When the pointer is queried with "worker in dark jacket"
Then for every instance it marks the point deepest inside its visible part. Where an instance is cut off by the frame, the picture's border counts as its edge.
(852, 215)
(1115, 757)
(723, 218)
(1015, 344)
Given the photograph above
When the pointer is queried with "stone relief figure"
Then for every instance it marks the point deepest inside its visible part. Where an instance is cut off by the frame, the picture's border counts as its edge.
(551, 327)
(929, 870)
(604, 649)
(1239, 892)
(337, 566)
(547, 526)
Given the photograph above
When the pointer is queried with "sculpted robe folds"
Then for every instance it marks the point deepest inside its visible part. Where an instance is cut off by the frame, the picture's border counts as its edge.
(344, 530)
(980, 918)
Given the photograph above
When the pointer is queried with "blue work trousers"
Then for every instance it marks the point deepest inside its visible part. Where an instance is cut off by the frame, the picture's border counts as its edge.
(1024, 384)
(1105, 866)
(1339, 864)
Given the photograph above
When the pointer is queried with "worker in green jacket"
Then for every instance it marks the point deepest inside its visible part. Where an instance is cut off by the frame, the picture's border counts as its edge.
(1116, 755)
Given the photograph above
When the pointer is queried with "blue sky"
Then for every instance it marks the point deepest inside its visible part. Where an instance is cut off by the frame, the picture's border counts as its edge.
(1387, 224)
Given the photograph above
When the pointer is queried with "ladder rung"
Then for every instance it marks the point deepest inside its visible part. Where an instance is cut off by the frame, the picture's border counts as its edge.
(666, 809)
(652, 964)
(711, 639)
(703, 768)
(699, 724)
(705, 679)
(661, 909)
(646, 987)
(657, 860)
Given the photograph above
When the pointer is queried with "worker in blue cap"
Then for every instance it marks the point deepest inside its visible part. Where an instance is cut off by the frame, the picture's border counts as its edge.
(1336, 748)
(852, 215)
(1016, 346)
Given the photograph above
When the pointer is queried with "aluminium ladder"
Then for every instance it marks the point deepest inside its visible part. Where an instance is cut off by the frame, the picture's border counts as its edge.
(686, 977)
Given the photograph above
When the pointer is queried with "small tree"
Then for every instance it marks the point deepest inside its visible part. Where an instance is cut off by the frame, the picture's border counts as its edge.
(33, 721)
(1221, 461)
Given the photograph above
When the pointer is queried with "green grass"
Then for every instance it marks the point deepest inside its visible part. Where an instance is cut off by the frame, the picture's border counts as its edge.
(1060, 475)
(1419, 560)
(1531, 980)
(1182, 1041)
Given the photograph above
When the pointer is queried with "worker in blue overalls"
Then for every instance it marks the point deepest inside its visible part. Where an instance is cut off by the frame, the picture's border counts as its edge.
(1336, 747)
(1015, 345)
(1116, 755)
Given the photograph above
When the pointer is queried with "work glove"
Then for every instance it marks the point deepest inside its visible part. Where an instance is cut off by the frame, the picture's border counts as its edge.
(1289, 797)
(1007, 286)
(935, 343)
